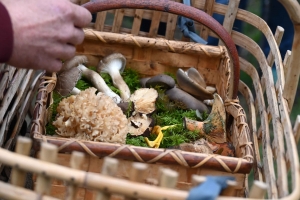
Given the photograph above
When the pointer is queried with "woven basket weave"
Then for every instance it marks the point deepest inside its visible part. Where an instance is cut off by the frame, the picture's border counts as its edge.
(150, 54)
(17, 89)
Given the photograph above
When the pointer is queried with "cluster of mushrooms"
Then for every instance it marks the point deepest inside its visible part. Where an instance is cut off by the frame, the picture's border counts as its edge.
(98, 113)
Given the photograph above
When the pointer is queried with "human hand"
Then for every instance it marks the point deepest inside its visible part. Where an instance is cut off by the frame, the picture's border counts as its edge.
(45, 32)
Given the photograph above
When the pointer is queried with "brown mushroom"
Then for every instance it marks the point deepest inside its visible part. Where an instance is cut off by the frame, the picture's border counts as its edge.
(68, 76)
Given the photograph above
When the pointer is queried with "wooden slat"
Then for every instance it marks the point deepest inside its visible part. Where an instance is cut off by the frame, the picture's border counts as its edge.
(289, 91)
(258, 190)
(118, 20)
(291, 153)
(43, 182)
(171, 26)
(109, 168)
(296, 129)
(287, 62)
(137, 21)
(155, 23)
(18, 177)
(13, 87)
(8, 73)
(278, 37)
(253, 47)
(208, 8)
(76, 161)
(23, 110)
(100, 19)
(244, 89)
(230, 16)
(9, 191)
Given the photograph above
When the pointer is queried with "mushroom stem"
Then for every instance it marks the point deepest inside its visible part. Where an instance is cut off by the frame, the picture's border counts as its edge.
(114, 64)
(118, 81)
(99, 83)
(75, 91)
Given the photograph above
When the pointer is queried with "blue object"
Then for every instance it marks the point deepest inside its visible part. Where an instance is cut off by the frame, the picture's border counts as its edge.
(187, 27)
(220, 18)
(210, 189)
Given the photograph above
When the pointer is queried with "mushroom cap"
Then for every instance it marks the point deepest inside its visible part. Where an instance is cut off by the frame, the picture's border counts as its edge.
(138, 124)
(104, 64)
(184, 100)
(144, 100)
(74, 62)
(194, 74)
(162, 80)
(191, 86)
(67, 80)
(68, 76)
(143, 81)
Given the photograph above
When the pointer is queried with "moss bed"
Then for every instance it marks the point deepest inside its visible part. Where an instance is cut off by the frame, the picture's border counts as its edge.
(166, 113)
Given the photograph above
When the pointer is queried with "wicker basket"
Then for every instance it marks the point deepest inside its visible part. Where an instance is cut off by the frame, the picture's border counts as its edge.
(152, 54)
(17, 89)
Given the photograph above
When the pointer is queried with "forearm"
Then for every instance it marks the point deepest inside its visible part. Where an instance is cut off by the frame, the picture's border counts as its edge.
(6, 34)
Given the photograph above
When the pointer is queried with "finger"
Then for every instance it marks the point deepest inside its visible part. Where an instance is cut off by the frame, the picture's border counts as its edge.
(67, 53)
(61, 51)
(82, 17)
(76, 37)
(54, 65)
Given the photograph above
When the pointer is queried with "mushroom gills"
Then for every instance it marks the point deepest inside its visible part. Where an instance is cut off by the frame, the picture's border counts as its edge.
(192, 87)
(196, 76)
(68, 76)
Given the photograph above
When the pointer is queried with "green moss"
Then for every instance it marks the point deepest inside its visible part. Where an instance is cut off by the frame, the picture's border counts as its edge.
(132, 79)
(136, 141)
(50, 129)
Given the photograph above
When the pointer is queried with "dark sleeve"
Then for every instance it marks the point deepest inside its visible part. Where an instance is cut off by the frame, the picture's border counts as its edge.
(6, 35)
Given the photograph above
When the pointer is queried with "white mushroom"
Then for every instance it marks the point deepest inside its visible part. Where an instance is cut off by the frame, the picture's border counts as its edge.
(114, 64)
(99, 83)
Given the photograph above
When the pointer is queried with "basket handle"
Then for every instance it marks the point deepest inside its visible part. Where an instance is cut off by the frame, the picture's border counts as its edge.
(183, 10)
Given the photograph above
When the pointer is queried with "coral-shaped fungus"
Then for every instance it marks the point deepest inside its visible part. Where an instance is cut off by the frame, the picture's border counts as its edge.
(91, 116)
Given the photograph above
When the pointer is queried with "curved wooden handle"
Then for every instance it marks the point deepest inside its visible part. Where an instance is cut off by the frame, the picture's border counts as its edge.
(178, 9)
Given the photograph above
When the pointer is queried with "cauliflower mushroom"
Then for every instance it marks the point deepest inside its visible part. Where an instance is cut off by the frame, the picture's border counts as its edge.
(90, 116)
(114, 64)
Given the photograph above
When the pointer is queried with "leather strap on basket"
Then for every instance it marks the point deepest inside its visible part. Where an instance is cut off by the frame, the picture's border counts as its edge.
(181, 10)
